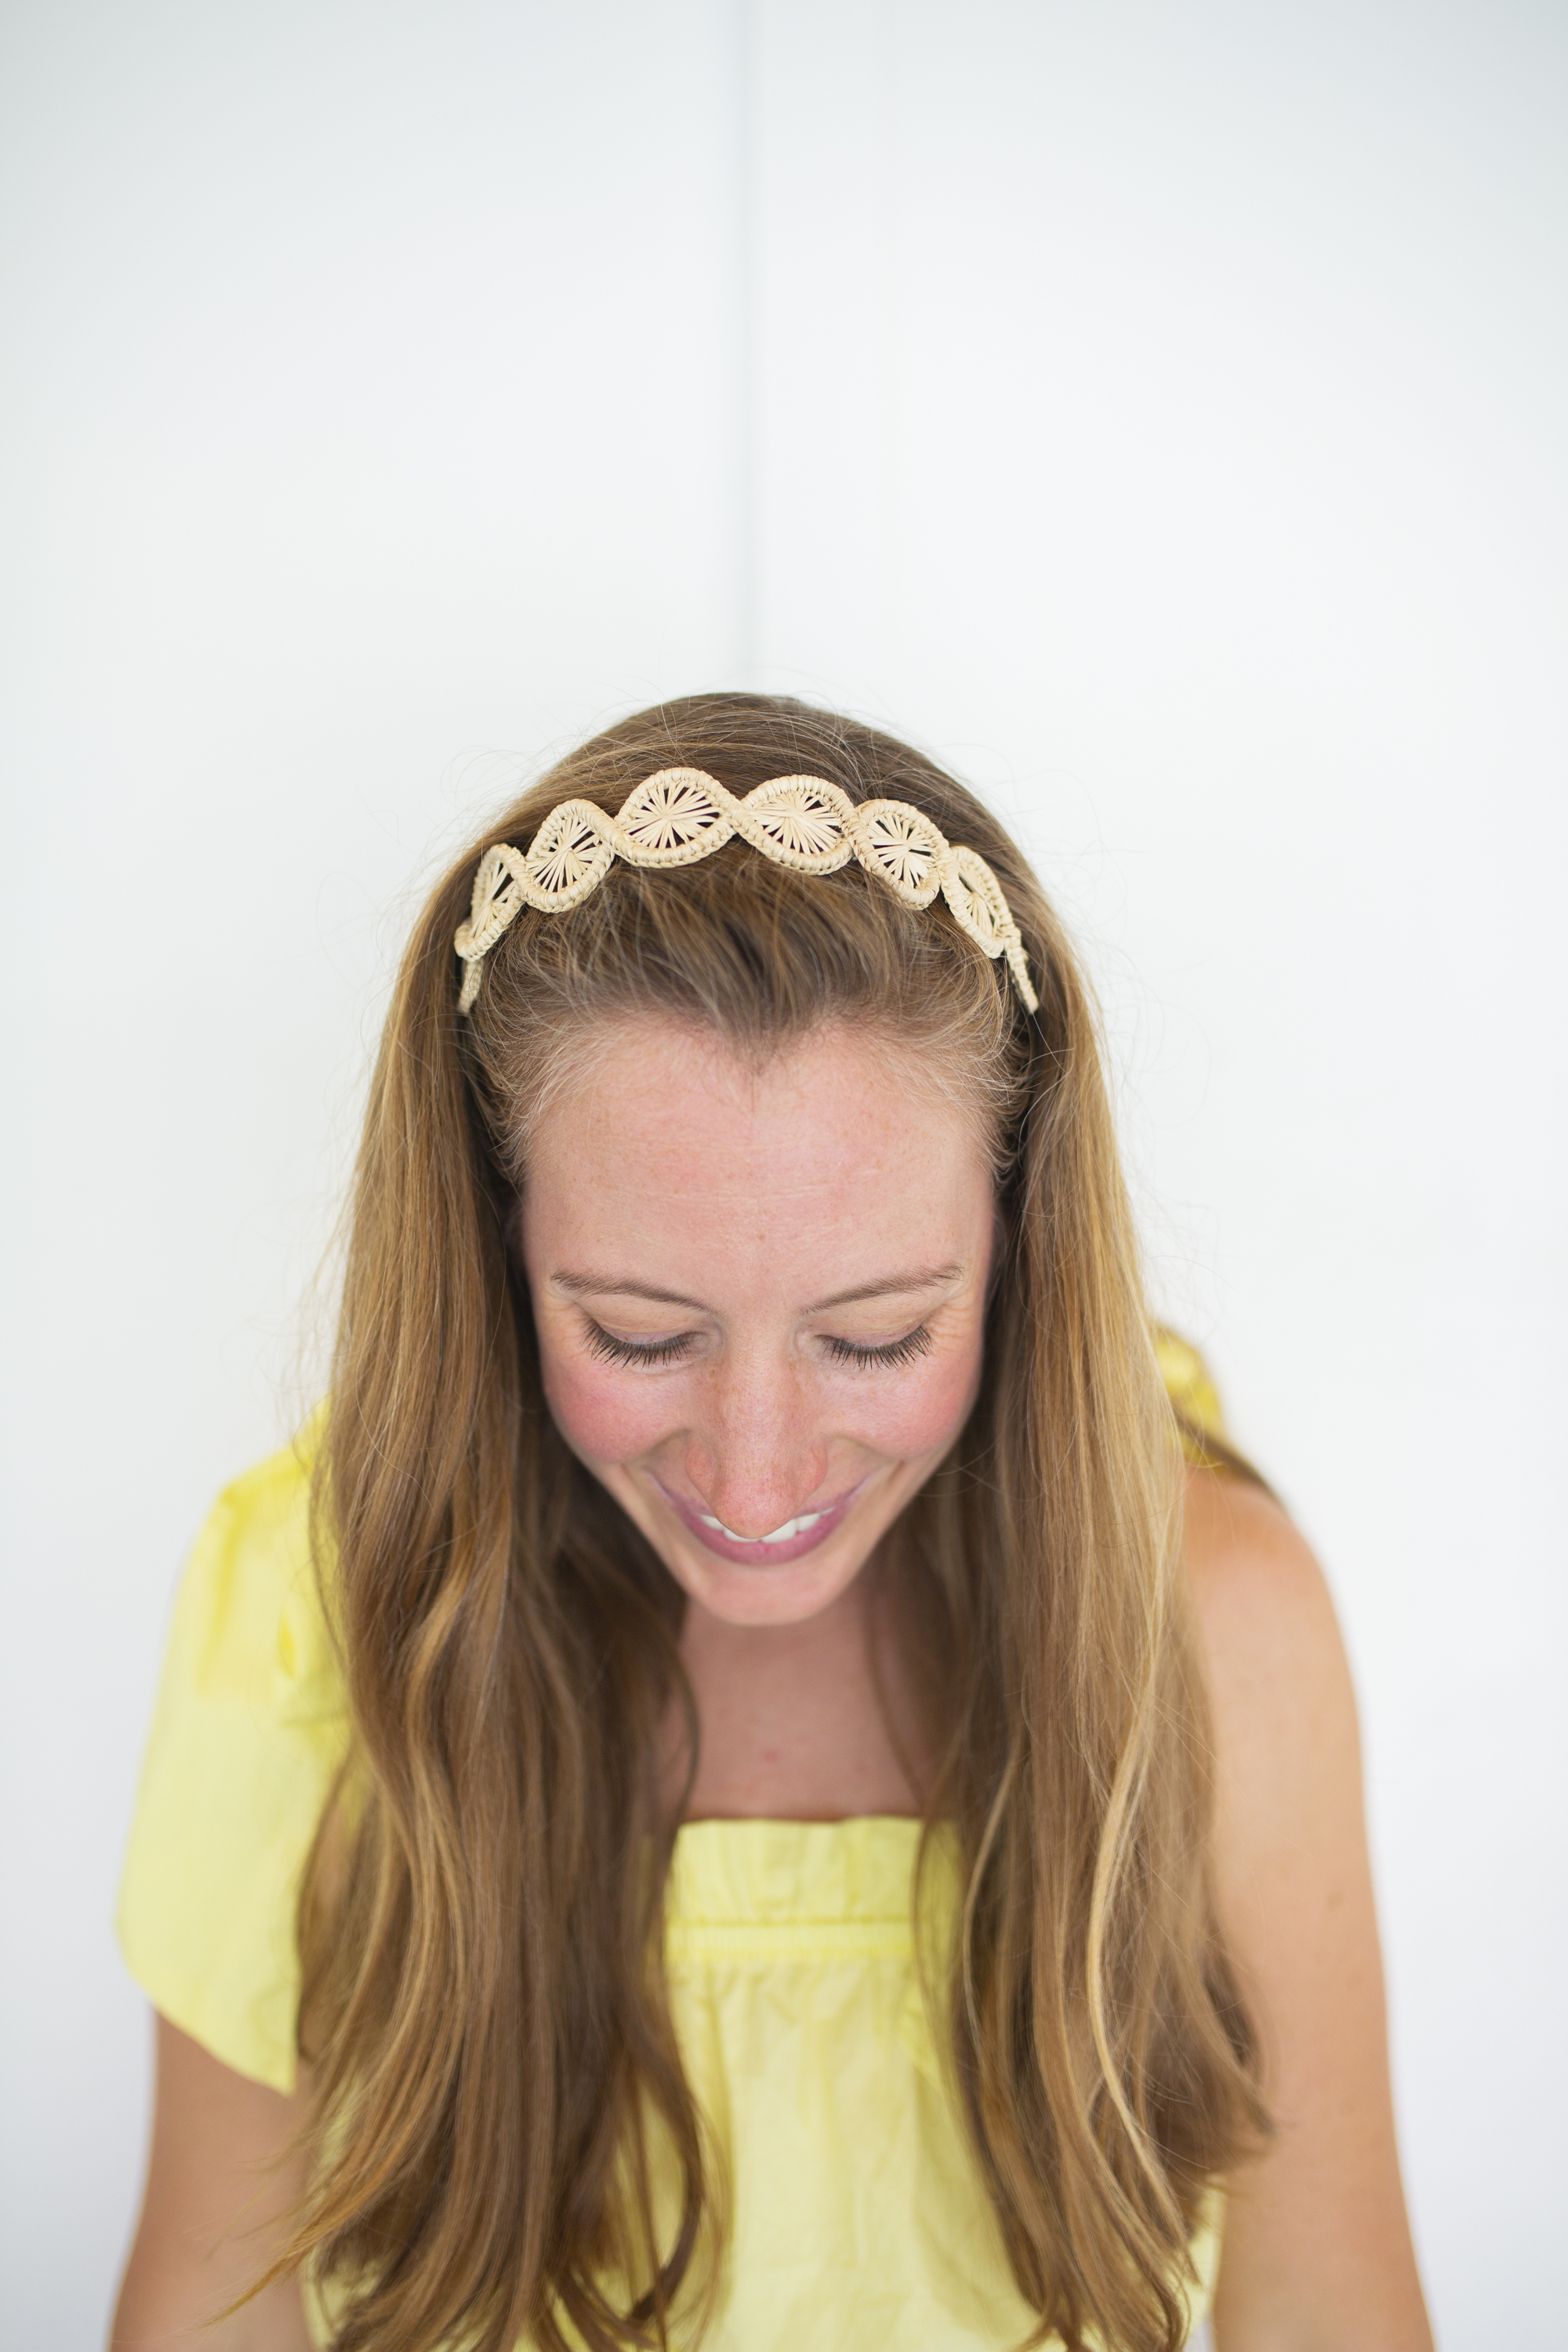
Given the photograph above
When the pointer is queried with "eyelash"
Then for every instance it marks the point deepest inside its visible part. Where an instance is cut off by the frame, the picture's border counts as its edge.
(893, 1354)
(913, 1344)
(612, 1350)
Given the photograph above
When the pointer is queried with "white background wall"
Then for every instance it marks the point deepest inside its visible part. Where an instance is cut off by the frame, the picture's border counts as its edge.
(1156, 411)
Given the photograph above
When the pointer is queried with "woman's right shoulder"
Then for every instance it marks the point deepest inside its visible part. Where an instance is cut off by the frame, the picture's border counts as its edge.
(248, 1738)
(250, 1612)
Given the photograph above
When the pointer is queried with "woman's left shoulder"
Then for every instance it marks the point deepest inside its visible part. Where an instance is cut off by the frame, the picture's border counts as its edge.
(1289, 1829)
(1264, 1615)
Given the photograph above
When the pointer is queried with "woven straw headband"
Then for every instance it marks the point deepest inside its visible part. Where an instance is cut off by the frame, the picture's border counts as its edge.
(680, 815)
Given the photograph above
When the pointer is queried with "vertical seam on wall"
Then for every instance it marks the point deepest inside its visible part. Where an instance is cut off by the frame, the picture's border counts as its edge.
(748, 519)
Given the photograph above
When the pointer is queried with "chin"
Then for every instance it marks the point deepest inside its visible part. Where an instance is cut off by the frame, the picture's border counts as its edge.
(761, 1596)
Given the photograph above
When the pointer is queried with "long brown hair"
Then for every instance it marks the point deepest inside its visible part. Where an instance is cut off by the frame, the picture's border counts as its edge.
(496, 2065)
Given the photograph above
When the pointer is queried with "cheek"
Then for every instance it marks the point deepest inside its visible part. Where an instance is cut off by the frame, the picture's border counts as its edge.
(604, 1419)
(921, 1413)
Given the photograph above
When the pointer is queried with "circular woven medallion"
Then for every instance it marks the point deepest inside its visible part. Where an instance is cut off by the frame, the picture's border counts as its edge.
(904, 847)
(978, 906)
(498, 890)
(495, 890)
(568, 856)
(801, 821)
(674, 818)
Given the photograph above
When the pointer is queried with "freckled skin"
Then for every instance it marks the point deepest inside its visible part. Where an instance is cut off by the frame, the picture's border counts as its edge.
(757, 1195)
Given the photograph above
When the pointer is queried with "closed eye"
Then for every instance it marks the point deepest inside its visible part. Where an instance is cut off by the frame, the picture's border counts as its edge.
(611, 1351)
(914, 1343)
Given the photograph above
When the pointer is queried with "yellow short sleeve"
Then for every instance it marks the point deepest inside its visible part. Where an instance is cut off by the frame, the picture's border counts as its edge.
(1194, 1396)
(248, 1736)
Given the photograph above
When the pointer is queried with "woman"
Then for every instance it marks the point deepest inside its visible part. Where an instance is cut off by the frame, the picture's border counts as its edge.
(736, 1786)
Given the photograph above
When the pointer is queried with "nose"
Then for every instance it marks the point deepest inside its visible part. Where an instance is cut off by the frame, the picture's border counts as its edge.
(755, 1458)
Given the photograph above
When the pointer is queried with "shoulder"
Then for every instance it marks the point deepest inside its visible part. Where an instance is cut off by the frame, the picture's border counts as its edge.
(1262, 1603)
(249, 1608)
(248, 1739)
(267, 1509)
(1288, 1837)
(1259, 1590)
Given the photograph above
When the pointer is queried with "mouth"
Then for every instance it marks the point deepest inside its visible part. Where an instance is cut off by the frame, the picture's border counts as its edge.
(792, 1541)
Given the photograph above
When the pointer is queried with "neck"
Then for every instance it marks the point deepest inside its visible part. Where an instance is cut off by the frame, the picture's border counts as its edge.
(807, 1722)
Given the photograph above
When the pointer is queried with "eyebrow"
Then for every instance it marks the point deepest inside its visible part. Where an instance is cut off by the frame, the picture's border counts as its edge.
(890, 1286)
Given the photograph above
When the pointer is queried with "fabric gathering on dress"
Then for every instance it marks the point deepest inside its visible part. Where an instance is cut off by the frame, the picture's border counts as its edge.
(858, 2219)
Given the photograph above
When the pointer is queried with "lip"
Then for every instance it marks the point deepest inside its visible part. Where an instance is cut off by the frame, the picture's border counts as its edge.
(757, 1554)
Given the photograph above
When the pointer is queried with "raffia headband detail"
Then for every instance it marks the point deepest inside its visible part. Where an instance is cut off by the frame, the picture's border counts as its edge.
(680, 815)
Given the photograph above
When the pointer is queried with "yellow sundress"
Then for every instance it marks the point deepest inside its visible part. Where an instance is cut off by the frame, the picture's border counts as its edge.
(858, 2220)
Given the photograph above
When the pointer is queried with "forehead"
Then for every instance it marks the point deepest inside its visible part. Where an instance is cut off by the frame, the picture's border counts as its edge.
(662, 1136)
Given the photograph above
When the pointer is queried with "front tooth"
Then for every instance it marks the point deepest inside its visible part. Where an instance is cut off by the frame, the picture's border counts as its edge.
(799, 1526)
